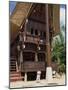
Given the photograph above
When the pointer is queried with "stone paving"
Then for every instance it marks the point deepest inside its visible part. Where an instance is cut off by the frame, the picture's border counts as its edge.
(53, 82)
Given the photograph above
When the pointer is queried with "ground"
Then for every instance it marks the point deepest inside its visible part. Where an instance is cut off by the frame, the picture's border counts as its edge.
(53, 82)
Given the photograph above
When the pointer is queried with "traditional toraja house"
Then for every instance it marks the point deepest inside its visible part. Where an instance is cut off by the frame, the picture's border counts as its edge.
(32, 27)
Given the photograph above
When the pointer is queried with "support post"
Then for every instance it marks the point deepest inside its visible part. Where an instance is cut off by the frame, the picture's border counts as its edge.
(36, 57)
(38, 76)
(21, 59)
(25, 29)
(48, 55)
(25, 77)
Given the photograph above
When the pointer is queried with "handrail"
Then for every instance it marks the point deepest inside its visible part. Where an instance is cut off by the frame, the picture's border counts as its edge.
(35, 39)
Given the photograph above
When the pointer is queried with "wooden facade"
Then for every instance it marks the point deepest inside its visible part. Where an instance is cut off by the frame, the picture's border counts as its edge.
(32, 27)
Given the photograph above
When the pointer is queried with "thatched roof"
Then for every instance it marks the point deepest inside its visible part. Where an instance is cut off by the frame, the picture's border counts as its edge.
(22, 11)
(18, 17)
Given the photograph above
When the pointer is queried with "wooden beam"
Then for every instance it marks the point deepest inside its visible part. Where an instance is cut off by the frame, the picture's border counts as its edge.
(48, 55)
(35, 20)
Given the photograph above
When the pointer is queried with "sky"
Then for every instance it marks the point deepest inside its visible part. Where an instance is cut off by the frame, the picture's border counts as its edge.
(62, 11)
(62, 15)
(12, 5)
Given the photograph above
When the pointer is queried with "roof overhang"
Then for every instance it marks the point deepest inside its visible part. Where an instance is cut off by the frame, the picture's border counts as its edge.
(22, 11)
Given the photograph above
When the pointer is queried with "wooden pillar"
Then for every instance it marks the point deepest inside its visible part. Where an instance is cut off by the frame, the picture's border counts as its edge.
(25, 29)
(18, 58)
(47, 36)
(20, 37)
(21, 52)
(36, 57)
(21, 60)
(21, 56)
(48, 53)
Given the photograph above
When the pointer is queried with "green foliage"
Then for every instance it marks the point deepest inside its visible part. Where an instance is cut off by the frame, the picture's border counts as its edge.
(58, 52)
(61, 67)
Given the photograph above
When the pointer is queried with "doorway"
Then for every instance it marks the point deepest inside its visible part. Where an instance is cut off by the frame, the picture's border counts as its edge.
(31, 76)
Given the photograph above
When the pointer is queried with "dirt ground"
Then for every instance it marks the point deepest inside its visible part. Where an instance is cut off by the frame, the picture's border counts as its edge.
(60, 80)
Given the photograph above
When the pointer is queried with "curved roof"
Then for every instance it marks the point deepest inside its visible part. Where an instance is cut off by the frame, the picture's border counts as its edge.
(18, 17)
(21, 12)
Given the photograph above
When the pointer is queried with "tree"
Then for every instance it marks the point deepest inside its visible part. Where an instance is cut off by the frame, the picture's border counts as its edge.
(58, 52)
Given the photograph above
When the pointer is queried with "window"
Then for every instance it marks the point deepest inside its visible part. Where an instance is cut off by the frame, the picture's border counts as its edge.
(36, 32)
(44, 34)
(41, 33)
(41, 57)
(32, 31)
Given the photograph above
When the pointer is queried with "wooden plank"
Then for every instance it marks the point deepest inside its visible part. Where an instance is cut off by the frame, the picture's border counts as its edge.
(33, 66)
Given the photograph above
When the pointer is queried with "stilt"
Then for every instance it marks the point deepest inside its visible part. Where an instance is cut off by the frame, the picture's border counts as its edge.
(48, 73)
(21, 56)
(25, 79)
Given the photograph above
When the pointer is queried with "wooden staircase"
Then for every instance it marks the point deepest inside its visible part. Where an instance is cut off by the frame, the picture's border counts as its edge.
(14, 75)
(13, 64)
